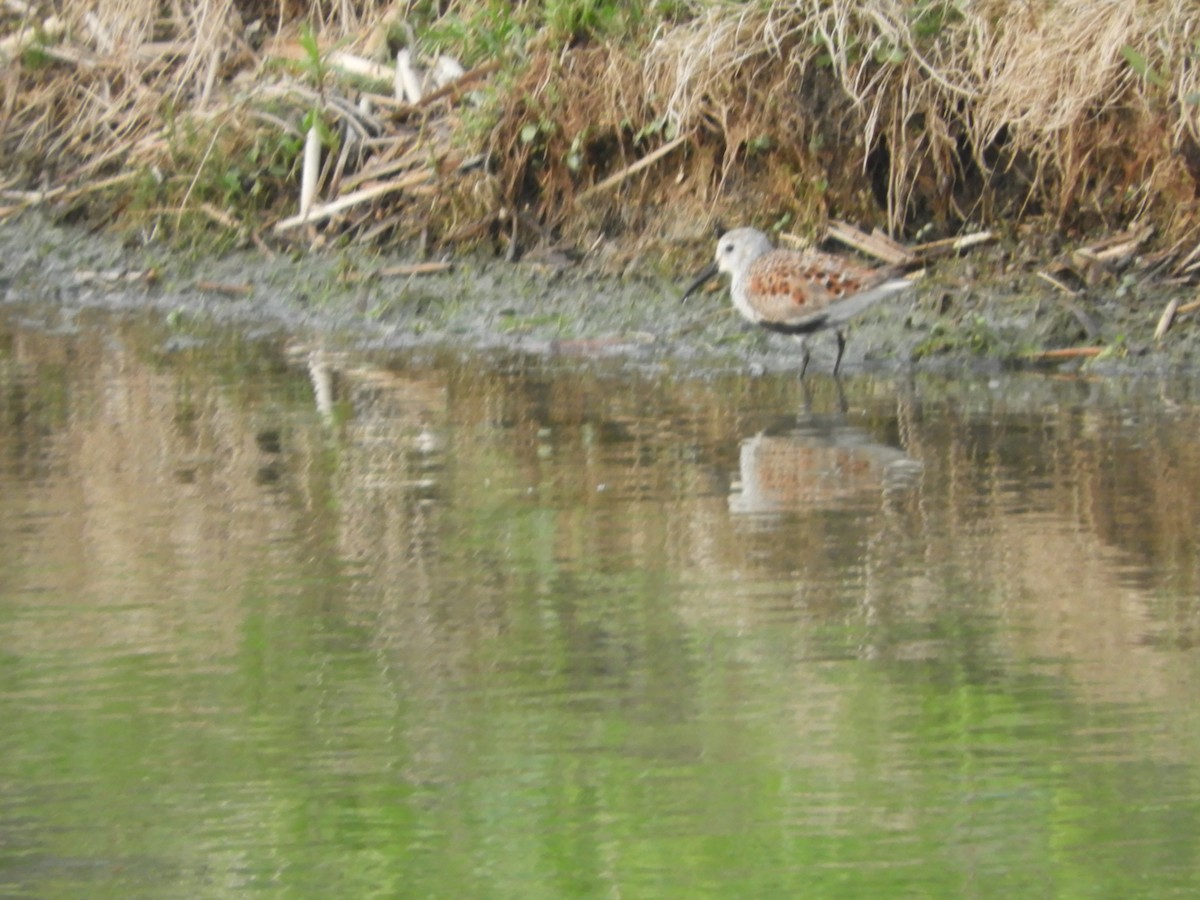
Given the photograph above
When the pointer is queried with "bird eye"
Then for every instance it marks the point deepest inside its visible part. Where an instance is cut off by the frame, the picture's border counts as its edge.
(729, 248)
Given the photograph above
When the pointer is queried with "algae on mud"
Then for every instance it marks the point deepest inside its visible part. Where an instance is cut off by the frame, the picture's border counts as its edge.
(950, 321)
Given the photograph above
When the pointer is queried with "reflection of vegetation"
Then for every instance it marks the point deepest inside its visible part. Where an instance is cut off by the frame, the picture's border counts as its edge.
(500, 622)
(33, 406)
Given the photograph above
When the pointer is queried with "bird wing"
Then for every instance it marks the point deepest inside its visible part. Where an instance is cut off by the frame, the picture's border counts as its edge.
(798, 289)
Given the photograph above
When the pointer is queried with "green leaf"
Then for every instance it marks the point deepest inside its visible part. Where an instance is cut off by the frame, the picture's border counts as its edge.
(1142, 66)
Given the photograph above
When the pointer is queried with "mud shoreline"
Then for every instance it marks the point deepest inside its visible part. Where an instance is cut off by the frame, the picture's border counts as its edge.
(979, 314)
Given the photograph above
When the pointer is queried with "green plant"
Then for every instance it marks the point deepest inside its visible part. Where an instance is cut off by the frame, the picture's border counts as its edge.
(314, 60)
(577, 20)
(493, 30)
(929, 18)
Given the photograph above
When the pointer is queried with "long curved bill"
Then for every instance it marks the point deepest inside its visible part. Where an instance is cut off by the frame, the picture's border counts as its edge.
(700, 279)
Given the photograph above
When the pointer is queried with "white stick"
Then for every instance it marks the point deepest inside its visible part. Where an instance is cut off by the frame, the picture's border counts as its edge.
(408, 84)
(311, 170)
(356, 65)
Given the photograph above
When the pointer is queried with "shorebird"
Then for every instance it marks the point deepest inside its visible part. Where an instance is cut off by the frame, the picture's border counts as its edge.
(797, 292)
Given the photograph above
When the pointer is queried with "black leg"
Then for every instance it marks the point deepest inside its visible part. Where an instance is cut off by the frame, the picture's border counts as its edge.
(841, 349)
(804, 354)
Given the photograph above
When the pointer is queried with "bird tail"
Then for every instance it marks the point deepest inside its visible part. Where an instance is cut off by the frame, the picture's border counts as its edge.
(845, 310)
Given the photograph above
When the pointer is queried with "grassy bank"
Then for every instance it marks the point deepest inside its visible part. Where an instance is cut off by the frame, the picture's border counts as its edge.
(603, 129)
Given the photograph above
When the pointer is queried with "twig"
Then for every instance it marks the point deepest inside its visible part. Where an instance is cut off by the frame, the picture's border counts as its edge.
(32, 198)
(370, 173)
(151, 51)
(320, 213)
(953, 244)
(1167, 319)
(271, 119)
(258, 242)
(1170, 315)
(71, 55)
(471, 229)
(424, 268)
(877, 245)
(365, 124)
(1050, 279)
(100, 185)
(1118, 247)
(387, 223)
(454, 87)
(647, 160)
(1102, 258)
(220, 217)
(1185, 264)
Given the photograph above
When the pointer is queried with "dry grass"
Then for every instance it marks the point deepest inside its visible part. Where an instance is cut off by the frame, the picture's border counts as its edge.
(914, 114)
(977, 110)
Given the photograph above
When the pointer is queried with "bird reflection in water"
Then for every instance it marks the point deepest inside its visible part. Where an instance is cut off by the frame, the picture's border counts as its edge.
(816, 461)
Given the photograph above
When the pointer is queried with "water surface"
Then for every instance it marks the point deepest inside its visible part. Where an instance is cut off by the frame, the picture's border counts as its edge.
(286, 620)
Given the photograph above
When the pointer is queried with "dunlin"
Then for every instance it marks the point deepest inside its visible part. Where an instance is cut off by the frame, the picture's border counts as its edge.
(797, 292)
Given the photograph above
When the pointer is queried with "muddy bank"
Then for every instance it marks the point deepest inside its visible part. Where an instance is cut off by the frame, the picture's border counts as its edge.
(985, 312)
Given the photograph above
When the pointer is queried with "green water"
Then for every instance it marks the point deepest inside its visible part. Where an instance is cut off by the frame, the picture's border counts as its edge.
(277, 620)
